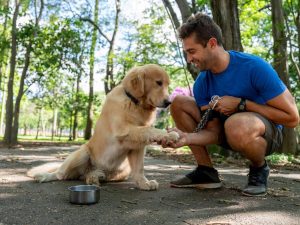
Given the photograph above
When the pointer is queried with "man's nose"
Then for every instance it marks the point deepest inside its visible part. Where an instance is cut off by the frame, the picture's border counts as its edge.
(189, 58)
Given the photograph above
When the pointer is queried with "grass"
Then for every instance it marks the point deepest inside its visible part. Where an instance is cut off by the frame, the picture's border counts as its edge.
(280, 158)
(47, 139)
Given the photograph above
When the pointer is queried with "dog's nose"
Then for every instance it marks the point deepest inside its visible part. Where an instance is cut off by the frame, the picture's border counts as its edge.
(166, 103)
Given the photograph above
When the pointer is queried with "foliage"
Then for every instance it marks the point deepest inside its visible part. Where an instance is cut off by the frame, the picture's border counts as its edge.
(276, 158)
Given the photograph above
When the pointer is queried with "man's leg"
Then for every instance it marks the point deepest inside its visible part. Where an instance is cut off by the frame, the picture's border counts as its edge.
(186, 115)
(244, 133)
(254, 137)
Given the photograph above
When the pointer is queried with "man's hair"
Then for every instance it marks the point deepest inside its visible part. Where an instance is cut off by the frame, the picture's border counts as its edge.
(204, 28)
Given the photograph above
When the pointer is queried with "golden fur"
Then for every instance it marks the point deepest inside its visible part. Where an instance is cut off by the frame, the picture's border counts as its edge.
(116, 149)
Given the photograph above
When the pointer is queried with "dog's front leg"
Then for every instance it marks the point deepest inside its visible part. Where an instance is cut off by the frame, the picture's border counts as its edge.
(136, 162)
(148, 135)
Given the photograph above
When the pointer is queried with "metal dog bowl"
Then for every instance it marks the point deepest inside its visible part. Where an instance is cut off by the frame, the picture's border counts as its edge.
(84, 194)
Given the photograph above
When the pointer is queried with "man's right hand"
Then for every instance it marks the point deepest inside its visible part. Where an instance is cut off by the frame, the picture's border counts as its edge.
(182, 141)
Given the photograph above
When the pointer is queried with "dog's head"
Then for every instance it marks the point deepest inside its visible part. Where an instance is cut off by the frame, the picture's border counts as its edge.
(149, 85)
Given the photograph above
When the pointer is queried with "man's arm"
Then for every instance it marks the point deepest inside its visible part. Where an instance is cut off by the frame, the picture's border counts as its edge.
(281, 109)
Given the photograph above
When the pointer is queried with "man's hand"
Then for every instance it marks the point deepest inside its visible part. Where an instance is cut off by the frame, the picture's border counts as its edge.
(227, 105)
(182, 141)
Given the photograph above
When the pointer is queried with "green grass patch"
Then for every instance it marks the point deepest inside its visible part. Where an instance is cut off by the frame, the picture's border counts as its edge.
(64, 139)
(280, 158)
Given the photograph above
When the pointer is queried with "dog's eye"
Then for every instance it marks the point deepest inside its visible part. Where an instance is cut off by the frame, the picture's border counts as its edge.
(159, 83)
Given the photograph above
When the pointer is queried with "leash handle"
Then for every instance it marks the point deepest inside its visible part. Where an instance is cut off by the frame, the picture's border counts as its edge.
(205, 118)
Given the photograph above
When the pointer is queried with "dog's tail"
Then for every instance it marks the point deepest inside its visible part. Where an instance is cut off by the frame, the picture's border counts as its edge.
(73, 167)
(45, 168)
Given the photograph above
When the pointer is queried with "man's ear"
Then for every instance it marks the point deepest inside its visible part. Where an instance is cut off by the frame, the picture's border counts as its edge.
(134, 82)
(212, 42)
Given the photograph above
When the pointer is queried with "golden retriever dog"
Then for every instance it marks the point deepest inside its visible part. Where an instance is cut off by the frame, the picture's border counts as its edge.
(116, 149)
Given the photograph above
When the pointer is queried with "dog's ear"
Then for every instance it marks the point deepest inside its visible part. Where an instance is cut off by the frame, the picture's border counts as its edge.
(134, 82)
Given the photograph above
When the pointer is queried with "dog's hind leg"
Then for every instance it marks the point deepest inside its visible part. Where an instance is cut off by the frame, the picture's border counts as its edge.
(122, 173)
(94, 176)
(45, 177)
(73, 167)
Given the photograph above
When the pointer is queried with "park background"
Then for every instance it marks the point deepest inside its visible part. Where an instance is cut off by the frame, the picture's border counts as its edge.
(59, 59)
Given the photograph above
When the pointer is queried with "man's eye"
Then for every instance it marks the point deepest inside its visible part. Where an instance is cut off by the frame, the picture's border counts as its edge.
(159, 82)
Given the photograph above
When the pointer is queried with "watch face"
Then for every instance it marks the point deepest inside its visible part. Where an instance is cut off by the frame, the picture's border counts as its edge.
(241, 107)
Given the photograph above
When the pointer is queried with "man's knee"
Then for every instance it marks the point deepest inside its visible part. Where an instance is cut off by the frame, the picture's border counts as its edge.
(236, 132)
(177, 103)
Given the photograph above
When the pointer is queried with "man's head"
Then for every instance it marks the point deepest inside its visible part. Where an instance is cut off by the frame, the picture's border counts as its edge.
(203, 27)
(201, 38)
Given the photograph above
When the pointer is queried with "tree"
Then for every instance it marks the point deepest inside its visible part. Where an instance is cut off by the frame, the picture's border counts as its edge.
(281, 65)
(185, 11)
(10, 84)
(225, 14)
(109, 82)
(32, 35)
(89, 121)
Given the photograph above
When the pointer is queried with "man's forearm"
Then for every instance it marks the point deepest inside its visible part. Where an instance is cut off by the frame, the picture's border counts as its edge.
(276, 115)
(203, 138)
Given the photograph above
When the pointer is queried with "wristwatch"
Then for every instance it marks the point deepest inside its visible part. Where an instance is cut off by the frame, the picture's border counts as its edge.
(242, 105)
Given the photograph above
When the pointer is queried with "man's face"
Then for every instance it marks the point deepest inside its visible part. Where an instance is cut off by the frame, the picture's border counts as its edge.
(196, 53)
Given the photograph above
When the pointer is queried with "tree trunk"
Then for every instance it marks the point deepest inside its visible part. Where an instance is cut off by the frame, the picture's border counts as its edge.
(10, 84)
(109, 82)
(89, 122)
(70, 126)
(225, 14)
(185, 12)
(54, 124)
(173, 15)
(297, 22)
(2, 107)
(185, 9)
(75, 122)
(15, 128)
(281, 66)
(39, 123)
(4, 46)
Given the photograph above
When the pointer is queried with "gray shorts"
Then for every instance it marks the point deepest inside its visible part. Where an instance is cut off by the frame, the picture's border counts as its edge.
(273, 135)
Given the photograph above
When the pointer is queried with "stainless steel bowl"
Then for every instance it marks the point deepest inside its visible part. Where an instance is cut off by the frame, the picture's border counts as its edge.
(84, 194)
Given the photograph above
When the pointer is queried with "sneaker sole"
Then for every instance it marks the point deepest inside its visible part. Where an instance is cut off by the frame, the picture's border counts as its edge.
(199, 186)
(254, 195)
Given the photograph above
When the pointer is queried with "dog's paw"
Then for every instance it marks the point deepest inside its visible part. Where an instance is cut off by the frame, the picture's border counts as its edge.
(149, 185)
(94, 177)
(173, 136)
(92, 180)
(42, 177)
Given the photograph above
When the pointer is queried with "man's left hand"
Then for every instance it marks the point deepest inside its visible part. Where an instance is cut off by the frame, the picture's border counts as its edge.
(227, 105)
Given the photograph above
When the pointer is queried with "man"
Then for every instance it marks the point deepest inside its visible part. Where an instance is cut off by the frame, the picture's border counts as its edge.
(248, 117)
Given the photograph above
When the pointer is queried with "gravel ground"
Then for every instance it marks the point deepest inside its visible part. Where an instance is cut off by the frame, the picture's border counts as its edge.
(23, 201)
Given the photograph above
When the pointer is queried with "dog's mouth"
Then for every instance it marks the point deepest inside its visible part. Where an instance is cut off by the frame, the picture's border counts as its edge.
(164, 104)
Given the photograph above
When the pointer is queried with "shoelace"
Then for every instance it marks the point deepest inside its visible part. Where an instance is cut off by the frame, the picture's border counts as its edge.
(256, 178)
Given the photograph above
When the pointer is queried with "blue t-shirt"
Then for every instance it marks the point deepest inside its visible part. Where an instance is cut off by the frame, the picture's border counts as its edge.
(247, 76)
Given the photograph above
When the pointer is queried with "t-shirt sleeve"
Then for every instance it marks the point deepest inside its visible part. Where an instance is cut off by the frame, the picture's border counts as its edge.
(266, 81)
(200, 90)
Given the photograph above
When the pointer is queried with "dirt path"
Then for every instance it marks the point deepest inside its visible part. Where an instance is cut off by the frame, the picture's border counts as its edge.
(23, 201)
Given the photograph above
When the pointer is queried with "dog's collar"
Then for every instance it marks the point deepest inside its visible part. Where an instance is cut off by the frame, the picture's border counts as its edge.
(132, 98)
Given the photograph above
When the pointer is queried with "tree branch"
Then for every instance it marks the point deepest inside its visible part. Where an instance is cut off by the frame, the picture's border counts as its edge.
(95, 25)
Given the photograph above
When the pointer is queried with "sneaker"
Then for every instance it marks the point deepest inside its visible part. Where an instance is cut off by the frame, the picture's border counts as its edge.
(257, 181)
(202, 177)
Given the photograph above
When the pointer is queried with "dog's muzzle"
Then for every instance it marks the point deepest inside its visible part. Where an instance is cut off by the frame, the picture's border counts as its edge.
(165, 104)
